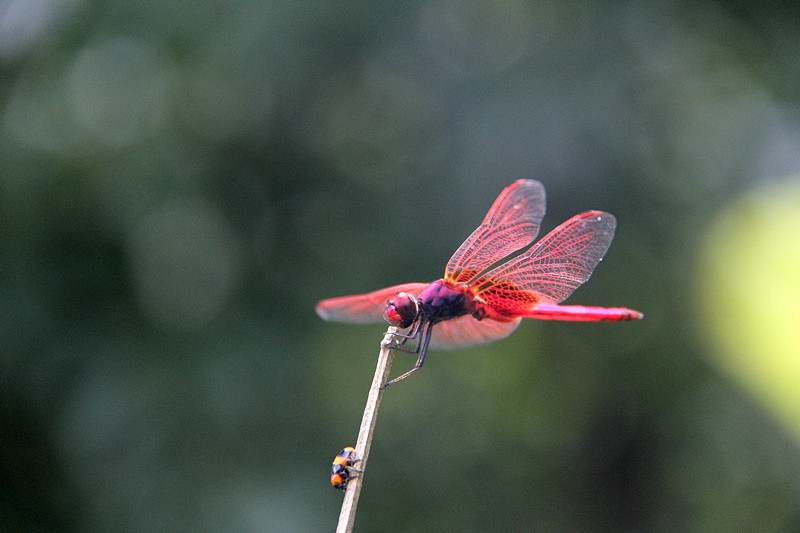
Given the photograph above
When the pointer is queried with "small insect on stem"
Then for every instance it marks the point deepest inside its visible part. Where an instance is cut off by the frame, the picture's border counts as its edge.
(343, 469)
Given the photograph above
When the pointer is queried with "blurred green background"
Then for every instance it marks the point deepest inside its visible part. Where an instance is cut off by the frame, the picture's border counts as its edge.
(180, 182)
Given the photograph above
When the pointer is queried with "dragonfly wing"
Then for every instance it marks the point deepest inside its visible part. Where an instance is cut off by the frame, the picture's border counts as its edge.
(511, 223)
(467, 331)
(551, 269)
(364, 308)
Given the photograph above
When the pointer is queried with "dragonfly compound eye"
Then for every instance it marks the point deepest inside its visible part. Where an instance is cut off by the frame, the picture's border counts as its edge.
(401, 311)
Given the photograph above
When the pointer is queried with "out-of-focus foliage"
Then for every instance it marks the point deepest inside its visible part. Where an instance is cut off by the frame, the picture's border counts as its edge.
(181, 181)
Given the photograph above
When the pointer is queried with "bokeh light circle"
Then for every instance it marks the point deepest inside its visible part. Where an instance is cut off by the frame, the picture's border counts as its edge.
(749, 284)
(185, 259)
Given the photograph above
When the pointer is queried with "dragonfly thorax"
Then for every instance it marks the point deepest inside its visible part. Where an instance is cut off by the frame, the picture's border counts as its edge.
(442, 300)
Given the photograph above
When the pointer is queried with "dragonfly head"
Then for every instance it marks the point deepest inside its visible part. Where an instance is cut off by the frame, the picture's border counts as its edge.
(401, 311)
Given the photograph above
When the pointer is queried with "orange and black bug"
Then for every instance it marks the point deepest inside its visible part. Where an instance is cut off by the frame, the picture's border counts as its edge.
(343, 470)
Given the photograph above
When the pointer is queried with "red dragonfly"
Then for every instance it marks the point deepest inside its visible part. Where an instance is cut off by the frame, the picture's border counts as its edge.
(484, 295)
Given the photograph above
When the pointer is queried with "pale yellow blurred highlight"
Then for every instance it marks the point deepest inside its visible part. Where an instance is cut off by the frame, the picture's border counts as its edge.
(749, 295)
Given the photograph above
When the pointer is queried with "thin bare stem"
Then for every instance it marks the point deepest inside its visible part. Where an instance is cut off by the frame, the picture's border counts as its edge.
(347, 516)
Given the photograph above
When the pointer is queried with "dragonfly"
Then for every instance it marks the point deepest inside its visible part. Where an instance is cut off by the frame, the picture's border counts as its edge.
(497, 277)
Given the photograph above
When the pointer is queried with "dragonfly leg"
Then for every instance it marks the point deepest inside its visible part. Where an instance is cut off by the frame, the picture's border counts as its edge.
(399, 349)
(401, 338)
(422, 348)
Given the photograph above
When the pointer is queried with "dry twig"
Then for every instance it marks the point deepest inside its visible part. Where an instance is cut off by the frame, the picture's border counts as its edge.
(347, 516)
